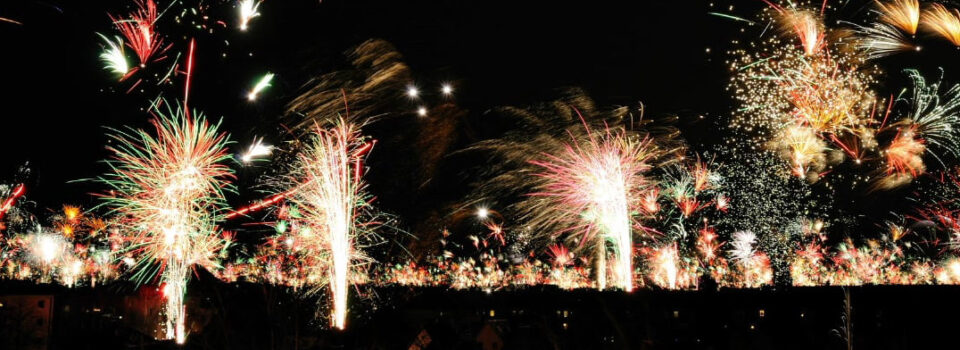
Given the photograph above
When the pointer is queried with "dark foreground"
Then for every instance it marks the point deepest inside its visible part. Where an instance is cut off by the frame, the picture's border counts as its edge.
(248, 316)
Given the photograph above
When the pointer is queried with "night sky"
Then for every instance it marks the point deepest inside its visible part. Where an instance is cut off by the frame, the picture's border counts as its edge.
(58, 101)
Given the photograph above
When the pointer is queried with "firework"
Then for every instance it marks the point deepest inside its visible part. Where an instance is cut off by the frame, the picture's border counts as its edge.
(803, 148)
(446, 89)
(332, 200)
(935, 113)
(807, 26)
(375, 84)
(265, 203)
(168, 191)
(140, 32)
(742, 245)
(4, 19)
(722, 203)
(825, 95)
(903, 14)
(600, 181)
(668, 270)
(257, 149)
(263, 83)
(11, 199)
(881, 39)
(47, 248)
(560, 255)
(943, 22)
(113, 57)
(577, 174)
(794, 99)
(248, 10)
(903, 155)
(650, 201)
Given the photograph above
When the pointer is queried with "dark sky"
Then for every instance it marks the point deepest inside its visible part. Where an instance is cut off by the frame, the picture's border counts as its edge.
(57, 100)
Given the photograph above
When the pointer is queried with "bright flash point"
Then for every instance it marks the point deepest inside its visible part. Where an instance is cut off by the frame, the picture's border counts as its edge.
(413, 92)
(48, 248)
(248, 10)
(422, 111)
(263, 83)
(71, 212)
(483, 213)
(446, 89)
(257, 149)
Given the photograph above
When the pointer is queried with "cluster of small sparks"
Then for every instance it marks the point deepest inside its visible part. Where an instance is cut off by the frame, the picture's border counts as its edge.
(73, 249)
(808, 94)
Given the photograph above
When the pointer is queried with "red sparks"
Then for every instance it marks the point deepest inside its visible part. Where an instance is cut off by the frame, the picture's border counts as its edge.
(7, 204)
(269, 201)
(496, 232)
(853, 150)
(560, 254)
(887, 113)
(186, 89)
(689, 205)
(903, 154)
(707, 242)
(649, 201)
(139, 32)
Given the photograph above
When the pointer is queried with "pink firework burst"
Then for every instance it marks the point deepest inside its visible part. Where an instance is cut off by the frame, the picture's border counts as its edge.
(594, 186)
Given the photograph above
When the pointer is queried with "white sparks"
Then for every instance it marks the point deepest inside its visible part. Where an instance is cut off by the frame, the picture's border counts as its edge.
(257, 149)
(263, 83)
(248, 10)
(742, 245)
(413, 92)
(113, 56)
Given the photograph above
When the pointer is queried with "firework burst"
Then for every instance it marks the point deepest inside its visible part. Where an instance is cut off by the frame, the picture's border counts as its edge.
(598, 183)
(943, 22)
(807, 26)
(881, 40)
(903, 14)
(741, 248)
(332, 200)
(114, 58)
(804, 149)
(935, 113)
(577, 174)
(167, 189)
(904, 160)
(263, 83)
(139, 30)
(248, 10)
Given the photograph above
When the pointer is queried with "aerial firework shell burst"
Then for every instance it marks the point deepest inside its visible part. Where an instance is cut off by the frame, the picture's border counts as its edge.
(167, 189)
